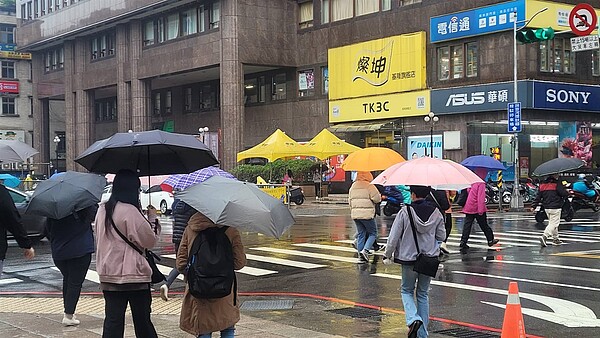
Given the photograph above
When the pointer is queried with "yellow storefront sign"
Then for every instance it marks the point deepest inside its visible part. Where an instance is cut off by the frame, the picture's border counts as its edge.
(380, 107)
(15, 55)
(556, 16)
(376, 67)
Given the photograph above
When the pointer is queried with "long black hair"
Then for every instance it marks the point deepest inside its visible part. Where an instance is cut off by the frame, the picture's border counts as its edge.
(125, 189)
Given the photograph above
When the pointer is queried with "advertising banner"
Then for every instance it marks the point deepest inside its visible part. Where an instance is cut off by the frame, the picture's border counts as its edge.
(575, 140)
(15, 55)
(565, 96)
(420, 146)
(480, 98)
(9, 87)
(556, 16)
(8, 47)
(380, 107)
(382, 66)
(11, 134)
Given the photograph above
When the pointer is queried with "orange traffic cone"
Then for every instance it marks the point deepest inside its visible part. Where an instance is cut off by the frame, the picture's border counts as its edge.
(513, 326)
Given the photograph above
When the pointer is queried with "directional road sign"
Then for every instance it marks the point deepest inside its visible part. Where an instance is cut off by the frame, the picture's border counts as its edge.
(583, 19)
(514, 117)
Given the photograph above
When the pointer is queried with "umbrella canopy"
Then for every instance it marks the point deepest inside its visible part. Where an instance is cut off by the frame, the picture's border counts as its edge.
(10, 181)
(372, 159)
(239, 204)
(325, 145)
(183, 181)
(436, 173)
(483, 161)
(15, 151)
(153, 152)
(558, 165)
(278, 145)
(149, 180)
(62, 195)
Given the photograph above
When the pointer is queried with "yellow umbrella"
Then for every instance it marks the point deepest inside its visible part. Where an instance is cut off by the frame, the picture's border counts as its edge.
(372, 159)
(278, 145)
(325, 145)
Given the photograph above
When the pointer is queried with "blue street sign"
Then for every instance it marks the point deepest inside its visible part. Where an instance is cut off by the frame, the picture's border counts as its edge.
(514, 117)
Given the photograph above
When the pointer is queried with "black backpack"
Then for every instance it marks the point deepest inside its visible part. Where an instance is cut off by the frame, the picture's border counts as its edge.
(210, 272)
(462, 197)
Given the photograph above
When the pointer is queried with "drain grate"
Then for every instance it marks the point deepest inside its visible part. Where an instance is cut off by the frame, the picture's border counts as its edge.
(464, 333)
(357, 312)
(265, 305)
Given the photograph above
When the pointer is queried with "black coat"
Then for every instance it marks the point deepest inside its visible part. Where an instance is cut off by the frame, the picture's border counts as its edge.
(181, 215)
(72, 236)
(440, 200)
(551, 194)
(10, 220)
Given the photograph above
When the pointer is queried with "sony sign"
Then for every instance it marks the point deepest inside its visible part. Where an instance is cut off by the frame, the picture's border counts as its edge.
(567, 96)
(463, 99)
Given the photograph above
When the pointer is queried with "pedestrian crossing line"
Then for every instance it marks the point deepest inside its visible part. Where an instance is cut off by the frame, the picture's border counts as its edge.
(9, 281)
(248, 270)
(456, 243)
(581, 233)
(569, 238)
(350, 241)
(589, 288)
(547, 265)
(281, 261)
(483, 241)
(308, 254)
(91, 275)
(330, 247)
(515, 241)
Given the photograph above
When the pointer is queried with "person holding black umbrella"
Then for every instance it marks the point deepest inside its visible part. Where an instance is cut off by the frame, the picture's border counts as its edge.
(551, 196)
(72, 243)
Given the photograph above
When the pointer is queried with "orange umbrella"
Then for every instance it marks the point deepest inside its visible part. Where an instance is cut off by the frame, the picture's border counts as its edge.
(372, 159)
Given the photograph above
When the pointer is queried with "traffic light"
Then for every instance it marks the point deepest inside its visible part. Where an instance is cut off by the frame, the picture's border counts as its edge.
(535, 35)
(495, 153)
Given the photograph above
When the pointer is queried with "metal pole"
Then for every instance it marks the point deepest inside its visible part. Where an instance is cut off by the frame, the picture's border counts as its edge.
(516, 201)
(431, 140)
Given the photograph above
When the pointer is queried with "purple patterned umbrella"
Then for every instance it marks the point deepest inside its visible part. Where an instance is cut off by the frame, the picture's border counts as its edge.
(182, 181)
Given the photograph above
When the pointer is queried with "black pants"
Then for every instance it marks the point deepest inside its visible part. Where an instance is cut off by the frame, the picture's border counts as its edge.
(483, 224)
(318, 189)
(448, 225)
(115, 303)
(73, 271)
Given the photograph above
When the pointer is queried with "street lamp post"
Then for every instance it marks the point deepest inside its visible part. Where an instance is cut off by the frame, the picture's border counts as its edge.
(432, 119)
(516, 201)
(203, 131)
(56, 142)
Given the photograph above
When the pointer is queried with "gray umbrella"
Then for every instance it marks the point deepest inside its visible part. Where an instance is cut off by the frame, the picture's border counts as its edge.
(66, 193)
(15, 151)
(239, 204)
(558, 165)
(151, 152)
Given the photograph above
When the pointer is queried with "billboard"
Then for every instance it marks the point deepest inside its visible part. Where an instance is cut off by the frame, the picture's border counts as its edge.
(420, 146)
(575, 140)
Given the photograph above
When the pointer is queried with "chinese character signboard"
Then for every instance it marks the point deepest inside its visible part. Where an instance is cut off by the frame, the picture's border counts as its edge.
(9, 87)
(383, 66)
(588, 42)
(15, 55)
(514, 117)
(469, 99)
(478, 21)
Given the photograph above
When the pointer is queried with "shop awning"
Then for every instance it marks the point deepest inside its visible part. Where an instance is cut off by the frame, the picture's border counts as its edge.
(358, 126)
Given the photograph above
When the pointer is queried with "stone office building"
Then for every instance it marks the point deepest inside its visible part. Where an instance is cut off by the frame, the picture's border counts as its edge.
(244, 68)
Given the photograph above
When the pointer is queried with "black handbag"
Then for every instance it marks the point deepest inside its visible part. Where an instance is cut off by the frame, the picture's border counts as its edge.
(427, 265)
(150, 257)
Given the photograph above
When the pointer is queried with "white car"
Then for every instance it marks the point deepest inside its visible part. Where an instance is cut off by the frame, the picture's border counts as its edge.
(161, 199)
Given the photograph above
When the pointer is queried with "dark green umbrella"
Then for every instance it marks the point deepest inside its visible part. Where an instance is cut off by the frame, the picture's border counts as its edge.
(64, 194)
(558, 165)
(239, 204)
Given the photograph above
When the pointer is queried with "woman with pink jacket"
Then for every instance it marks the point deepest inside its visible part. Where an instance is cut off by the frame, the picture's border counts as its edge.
(125, 274)
(475, 209)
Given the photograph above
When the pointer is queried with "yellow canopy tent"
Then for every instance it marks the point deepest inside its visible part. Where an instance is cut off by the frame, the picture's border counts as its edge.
(278, 145)
(325, 145)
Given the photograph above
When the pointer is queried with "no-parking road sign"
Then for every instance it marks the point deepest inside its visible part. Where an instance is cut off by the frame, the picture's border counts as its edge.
(583, 19)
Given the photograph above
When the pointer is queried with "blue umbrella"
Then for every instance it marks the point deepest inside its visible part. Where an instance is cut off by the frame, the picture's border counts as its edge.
(482, 161)
(10, 181)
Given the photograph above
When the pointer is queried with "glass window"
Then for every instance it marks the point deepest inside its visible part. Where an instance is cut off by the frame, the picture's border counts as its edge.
(157, 103)
(215, 15)
(457, 62)
(168, 102)
(36, 8)
(23, 12)
(6, 34)
(341, 9)
(443, 55)
(362, 7)
(148, 33)
(202, 22)
(325, 80)
(472, 59)
(386, 5)
(209, 95)
(544, 55)
(29, 10)
(306, 14)
(556, 56)
(279, 87)
(43, 7)
(188, 99)
(251, 90)
(189, 22)
(8, 69)
(50, 6)
(8, 106)
(595, 63)
(408, 2)
(306, 83)
(161, 29)
(324, 11)
(95, 48)
(173, 26)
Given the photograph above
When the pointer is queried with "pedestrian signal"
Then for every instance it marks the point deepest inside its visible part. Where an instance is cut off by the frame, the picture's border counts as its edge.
(495, 153)
(535, 35)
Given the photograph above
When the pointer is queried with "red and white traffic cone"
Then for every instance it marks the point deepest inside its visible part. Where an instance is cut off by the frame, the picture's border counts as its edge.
(513, 326)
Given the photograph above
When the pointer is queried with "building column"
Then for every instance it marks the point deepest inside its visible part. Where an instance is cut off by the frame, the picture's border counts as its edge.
(123, 87)
(41, 139)
(70, 129)
(140, 89)
(232, 79)
(84, 102)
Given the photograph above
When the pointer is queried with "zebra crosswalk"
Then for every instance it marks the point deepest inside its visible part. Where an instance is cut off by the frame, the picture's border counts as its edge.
(265, 261)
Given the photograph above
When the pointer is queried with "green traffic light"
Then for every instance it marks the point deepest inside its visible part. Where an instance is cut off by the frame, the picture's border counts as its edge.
(543, 34)
(535, 35)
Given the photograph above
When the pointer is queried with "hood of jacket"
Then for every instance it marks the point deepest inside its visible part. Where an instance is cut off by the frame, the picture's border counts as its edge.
(364, 176)
(199, 222)
(422, 214)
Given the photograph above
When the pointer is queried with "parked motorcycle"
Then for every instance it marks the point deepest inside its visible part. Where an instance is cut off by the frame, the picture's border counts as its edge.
(296, 195)
(530, 191)
(566, 212)
(393, 200)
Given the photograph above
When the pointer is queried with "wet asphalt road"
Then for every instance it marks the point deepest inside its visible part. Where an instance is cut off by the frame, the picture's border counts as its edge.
(559, 286)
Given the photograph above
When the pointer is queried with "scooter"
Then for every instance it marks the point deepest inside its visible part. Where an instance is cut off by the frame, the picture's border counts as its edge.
(296, 195)
(581, 201)
(566, 212)
(393, 201)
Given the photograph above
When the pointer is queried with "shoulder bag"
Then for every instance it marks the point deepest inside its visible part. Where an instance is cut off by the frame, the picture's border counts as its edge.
(150, 257)
(427, 265)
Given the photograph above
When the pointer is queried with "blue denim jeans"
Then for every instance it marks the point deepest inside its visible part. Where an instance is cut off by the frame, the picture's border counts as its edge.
(367, 233)
(419, 311)
(227, 333)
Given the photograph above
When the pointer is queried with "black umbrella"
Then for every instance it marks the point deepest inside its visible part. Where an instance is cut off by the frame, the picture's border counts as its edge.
(66, 193)
(152, 152)
(558, 165)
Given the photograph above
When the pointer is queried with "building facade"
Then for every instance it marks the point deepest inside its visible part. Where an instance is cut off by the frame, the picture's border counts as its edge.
(370, 70)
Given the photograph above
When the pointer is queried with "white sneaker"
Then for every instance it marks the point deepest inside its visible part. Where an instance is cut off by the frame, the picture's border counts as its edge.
(444, 248)
(70, 321)
(164, 292)
(364, 255)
